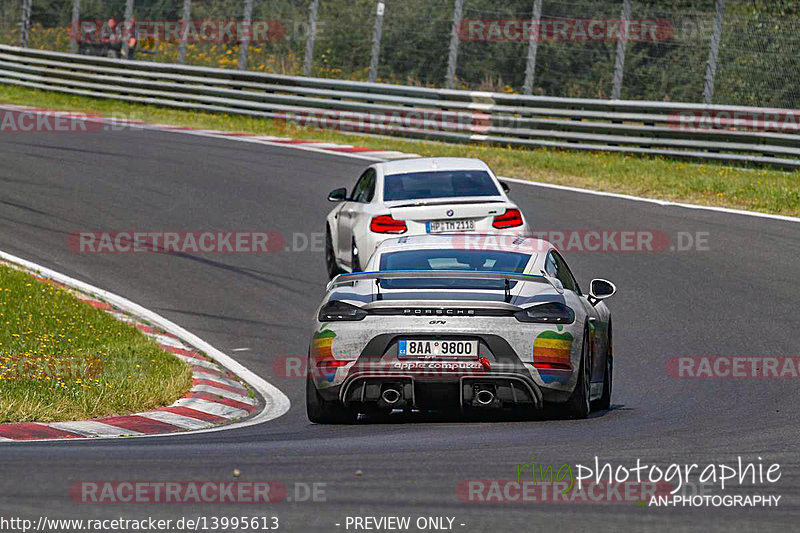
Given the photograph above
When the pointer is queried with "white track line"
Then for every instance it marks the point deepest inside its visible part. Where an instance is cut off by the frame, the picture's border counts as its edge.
(92, 428)
(385, 155)
(656, 201)
(276, 402)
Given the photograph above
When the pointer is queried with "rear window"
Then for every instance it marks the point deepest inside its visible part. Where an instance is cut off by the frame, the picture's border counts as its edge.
(467, 260)
(438, 184)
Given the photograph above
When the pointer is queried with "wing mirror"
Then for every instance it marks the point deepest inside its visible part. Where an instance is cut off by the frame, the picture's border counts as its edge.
(600, 289)
(338, 195)
(505, 186)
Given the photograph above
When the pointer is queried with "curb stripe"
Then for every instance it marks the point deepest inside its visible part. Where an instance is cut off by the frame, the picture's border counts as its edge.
(93, 428)
(212, 408)
(32, 431)
(96, 303)
(185, 353)
(236, 396)
(183, 422)
(223, 401)
(201, 374)
(139, 424)
(168, 341)
(151, 330)
(191, 413)
(218, 385)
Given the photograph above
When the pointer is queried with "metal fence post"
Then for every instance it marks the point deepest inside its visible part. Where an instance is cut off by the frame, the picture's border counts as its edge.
(619, 62)
(713, 54)
(452, 56)
(25, 23)
(247, 19)
(76, 20)
(376, 42)
(533, 47)
(312, 35)
(128, 20)
(185, 18)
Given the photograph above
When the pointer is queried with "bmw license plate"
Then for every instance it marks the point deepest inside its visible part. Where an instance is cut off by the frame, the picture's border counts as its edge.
(441, 226)
(441, 348)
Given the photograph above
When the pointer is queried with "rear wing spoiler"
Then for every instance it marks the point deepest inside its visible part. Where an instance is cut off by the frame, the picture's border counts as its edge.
(445, 274)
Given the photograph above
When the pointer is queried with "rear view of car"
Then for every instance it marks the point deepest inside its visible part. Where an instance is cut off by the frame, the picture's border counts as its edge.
(436, 326)
(416, 197)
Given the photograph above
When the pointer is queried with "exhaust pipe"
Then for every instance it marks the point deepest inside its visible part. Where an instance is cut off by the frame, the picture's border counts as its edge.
(484, 397)
(391, 396)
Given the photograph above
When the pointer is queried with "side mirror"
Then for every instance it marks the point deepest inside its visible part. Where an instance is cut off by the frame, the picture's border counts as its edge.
(338, 195)
(600, 289)
(505, 186)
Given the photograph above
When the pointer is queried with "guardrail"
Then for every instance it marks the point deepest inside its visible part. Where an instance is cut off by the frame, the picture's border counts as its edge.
(736, 135)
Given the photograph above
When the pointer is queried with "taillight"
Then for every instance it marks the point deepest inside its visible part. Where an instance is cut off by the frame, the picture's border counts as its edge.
(552, 366)
(510, 219)
(386, 224)
(327, 365)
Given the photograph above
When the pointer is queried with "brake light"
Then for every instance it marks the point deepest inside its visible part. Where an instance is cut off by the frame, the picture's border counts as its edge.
(387, 224)
(510, 219)
(327, 364)
(552, 366)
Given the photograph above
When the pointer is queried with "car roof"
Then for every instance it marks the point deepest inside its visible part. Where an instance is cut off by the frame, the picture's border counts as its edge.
(466, 241)
(427, 164)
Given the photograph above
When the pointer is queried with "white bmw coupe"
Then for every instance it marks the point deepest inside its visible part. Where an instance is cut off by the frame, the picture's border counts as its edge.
(416, 197)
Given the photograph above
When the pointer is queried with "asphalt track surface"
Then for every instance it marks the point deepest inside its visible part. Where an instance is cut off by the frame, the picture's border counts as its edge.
(738, 298)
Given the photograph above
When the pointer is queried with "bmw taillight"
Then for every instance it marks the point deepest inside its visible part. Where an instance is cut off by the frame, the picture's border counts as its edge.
(510, 219)
(387, 224)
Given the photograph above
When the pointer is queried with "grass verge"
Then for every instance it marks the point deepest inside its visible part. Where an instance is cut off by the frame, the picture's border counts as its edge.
(757, 189)
(61, 359)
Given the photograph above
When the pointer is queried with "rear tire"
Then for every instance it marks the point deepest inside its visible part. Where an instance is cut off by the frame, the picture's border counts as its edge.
(330, 257)
(578, 405)
(321, 411)
(608, 378)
